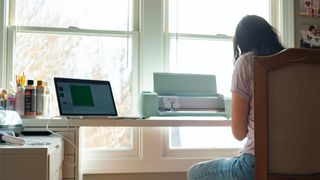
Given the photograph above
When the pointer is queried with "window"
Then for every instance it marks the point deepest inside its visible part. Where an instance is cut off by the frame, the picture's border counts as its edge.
(199, 35)
(51, 38)
(201, 41)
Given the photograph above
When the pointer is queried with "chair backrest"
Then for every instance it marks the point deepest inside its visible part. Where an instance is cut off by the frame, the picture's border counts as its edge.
(287, 115)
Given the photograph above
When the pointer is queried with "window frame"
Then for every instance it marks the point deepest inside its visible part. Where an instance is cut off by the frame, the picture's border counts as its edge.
(3, 41)
(208, 152)
(12, 30)
(281, 17)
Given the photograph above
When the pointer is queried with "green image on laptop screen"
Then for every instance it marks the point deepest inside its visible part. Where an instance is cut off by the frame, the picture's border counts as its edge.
(81, 95)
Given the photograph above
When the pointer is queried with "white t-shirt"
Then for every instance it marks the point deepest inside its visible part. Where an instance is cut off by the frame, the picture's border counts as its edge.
(242, 85)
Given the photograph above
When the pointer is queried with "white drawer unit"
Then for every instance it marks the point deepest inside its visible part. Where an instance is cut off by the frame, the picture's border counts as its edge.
(70, 165)
(36, 162)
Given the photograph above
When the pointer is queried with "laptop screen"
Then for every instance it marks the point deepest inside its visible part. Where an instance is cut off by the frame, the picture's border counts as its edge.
(82, 97)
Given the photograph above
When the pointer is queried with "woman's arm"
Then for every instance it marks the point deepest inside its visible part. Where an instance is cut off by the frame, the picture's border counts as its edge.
(239, 116)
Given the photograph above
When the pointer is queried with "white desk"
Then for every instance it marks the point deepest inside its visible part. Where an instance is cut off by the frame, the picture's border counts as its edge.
(132, 122)
(70, 129)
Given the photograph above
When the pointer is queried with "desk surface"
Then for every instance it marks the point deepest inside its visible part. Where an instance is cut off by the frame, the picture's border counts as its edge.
(132, 122)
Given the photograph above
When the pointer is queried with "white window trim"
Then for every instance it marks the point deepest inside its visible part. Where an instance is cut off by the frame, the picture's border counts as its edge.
(151, 42)
(286, 22)
(3, 40)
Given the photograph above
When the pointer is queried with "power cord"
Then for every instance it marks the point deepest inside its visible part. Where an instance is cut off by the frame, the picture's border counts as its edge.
(64, 138)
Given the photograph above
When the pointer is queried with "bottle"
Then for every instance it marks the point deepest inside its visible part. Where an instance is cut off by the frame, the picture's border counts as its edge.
(10, 101)
(40, 98)
(47, 100)
(30, 99)
(19, 101)
(3, 94)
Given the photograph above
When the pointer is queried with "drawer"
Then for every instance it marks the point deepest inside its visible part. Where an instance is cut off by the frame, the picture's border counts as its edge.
(21, 165)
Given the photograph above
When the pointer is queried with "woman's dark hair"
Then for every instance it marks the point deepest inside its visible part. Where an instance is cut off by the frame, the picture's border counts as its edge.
(254, 33)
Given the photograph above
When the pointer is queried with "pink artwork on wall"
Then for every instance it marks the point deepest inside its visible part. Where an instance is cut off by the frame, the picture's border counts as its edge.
(310, 8)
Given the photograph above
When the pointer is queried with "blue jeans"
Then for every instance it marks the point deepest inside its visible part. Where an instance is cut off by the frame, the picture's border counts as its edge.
(236, 168)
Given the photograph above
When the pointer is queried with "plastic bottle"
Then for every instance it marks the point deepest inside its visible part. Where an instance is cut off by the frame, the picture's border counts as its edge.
(30, 99)
(19, 101)
(10, 101)
(40, 98)
(47, 100)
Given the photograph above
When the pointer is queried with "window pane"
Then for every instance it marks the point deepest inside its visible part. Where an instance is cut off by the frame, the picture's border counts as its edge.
(108, 138)
(212, 17)
(193, 53)
(93, 14)
(204, 57)
(87, 57)
(203, 137)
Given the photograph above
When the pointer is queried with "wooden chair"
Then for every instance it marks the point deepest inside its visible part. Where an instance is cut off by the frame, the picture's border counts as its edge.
(287, 115)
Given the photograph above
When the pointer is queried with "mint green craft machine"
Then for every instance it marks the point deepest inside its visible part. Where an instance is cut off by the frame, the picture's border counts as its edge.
(177, 94)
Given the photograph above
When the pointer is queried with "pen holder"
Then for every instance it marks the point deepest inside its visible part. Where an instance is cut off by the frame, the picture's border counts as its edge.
(148, 104)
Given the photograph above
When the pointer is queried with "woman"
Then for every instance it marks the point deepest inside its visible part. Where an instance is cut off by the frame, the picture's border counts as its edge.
(254, 36)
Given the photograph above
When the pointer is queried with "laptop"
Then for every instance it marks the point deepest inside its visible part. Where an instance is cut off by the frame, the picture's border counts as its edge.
(78, 98)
